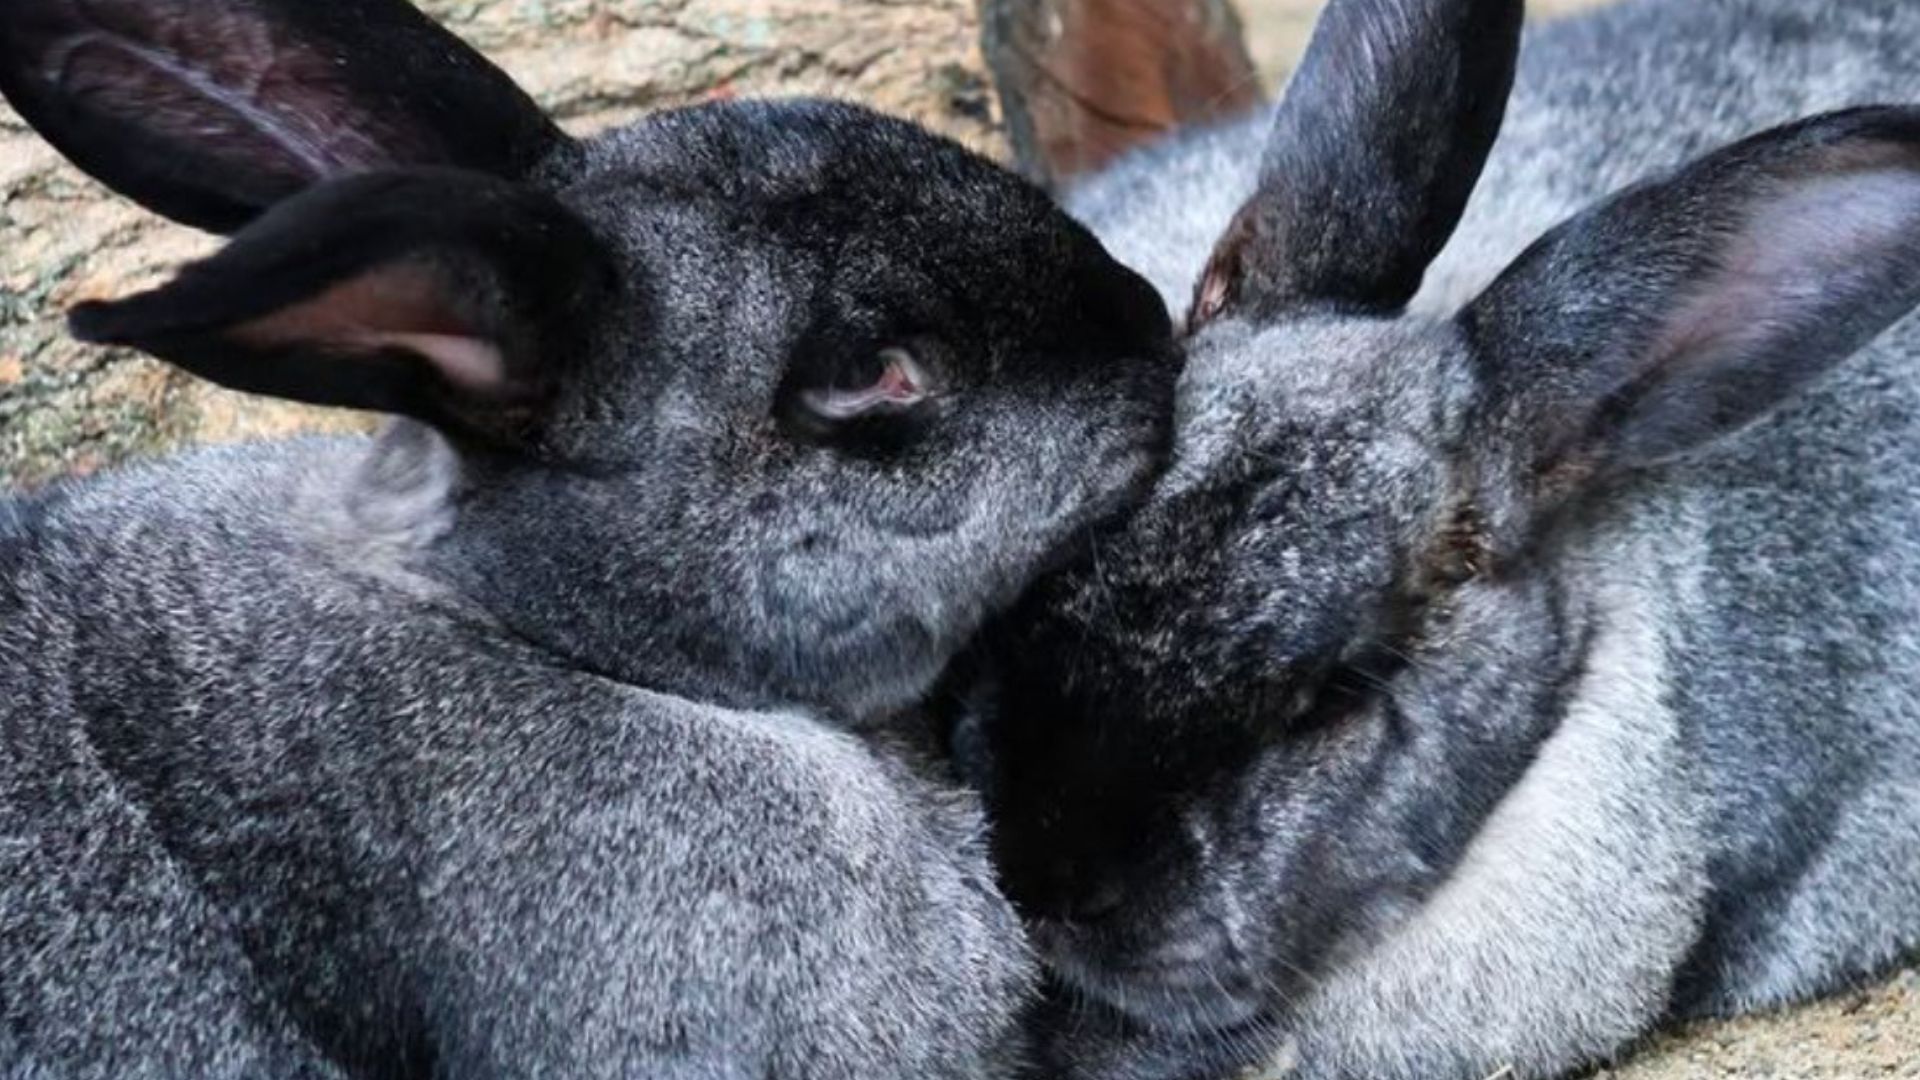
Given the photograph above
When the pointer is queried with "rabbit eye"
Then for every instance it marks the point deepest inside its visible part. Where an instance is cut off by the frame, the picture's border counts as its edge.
(893, 380)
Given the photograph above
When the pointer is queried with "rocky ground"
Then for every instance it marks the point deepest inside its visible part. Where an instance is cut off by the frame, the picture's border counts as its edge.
(67, 409)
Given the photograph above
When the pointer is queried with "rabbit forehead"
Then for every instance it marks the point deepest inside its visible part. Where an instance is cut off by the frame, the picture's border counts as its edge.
(1324, 362)
(1343, 411)
(821, 170)
(1308, 457)
(742, 227)
(1325, 367)
(874, 204)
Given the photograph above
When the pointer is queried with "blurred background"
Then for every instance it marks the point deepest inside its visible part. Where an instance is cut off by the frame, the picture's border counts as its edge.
(68, 409)
(1277, 29)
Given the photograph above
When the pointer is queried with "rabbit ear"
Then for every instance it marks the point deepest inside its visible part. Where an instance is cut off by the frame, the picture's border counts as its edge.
(437, 294)
(209, 111)
(1682, 309)
(1375, 149)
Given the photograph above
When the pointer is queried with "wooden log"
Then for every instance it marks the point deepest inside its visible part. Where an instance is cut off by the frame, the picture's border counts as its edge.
(1083, 81)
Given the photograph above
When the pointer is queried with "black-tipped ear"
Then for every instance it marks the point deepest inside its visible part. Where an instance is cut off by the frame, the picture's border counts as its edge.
(1377, 145)
(1684, 308)
(452, 297)
(209, 111)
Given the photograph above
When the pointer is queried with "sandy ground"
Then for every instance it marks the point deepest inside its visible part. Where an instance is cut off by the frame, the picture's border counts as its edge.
(66, 409)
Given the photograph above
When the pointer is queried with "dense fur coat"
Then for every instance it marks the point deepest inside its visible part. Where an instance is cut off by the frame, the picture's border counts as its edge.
(1481, 690)
(557, 731)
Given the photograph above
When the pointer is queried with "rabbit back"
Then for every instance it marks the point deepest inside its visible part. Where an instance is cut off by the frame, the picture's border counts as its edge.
(1600, 100)
(1607, 98)
(394, 840)
(1785, 572)
(1790, 587)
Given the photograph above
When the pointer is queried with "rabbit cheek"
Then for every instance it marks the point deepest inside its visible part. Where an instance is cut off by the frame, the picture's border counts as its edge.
(841, 632)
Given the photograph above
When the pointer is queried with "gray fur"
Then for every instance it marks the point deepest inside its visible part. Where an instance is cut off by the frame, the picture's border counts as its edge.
(1367, 752)
(586, 753)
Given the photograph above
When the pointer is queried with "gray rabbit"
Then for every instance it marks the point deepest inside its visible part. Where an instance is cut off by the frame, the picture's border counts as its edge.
(1510, 663)
(563, 729)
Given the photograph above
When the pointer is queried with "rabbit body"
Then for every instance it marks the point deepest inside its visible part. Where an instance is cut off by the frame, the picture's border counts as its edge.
(276, 805)
(1663, 762)
(567, 727)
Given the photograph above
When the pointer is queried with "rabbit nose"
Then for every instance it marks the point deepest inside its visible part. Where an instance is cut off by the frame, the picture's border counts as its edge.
(1066, 892)
(1100, 901)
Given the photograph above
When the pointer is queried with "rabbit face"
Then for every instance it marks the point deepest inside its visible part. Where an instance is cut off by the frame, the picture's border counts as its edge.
(854, 388)
(763, 403)
(1301, 529)
(1255, 727)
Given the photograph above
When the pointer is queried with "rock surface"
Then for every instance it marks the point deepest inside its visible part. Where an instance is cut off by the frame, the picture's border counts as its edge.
(65, 408)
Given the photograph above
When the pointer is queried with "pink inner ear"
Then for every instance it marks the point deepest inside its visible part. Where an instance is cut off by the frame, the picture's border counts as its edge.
(403, 305)
(470, 363)
(1799, 254)
(212, 76)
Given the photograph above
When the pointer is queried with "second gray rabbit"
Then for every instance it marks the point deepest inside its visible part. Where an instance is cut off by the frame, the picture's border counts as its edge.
(1496, 677)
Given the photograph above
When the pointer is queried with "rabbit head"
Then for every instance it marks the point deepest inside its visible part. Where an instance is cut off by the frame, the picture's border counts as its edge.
(1256, 724)
(758, 402)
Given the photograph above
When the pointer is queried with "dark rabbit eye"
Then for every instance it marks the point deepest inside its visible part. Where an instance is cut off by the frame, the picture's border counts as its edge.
(873, 398)
(891, 380)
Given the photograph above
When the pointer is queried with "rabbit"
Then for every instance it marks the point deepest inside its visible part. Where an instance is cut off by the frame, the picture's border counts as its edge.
(1519, 652)
(569, 725)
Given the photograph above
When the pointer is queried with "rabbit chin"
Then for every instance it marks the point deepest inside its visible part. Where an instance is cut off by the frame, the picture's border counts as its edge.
(1172, 989)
